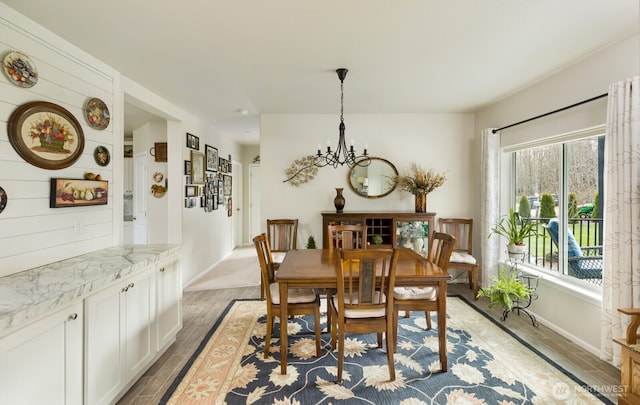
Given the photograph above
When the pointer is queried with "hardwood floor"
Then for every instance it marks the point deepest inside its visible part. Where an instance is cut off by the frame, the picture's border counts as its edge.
(202, 308)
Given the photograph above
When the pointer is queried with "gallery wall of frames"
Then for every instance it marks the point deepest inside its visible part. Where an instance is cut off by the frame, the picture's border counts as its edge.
(56, 147)
(208, 181)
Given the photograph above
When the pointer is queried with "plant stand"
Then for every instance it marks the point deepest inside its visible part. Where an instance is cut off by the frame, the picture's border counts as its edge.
(521, 306)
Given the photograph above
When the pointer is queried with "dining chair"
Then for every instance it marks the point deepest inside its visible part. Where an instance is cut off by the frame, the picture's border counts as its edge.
(347, 236)
(301, 301)
(364, 299)
(462, 256)
(282, 235)
(425, 298)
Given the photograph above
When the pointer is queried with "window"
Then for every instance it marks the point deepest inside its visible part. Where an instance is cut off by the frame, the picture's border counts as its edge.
(557, 185)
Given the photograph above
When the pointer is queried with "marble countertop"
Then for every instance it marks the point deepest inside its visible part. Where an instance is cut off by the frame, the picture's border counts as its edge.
(31, 293)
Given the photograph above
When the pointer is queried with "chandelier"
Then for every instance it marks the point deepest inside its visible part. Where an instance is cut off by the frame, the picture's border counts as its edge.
(342, 154)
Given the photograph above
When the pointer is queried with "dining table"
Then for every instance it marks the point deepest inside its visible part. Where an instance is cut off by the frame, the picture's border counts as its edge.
(316, 268)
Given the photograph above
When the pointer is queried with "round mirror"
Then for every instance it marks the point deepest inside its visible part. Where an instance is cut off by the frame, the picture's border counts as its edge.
(374, 180)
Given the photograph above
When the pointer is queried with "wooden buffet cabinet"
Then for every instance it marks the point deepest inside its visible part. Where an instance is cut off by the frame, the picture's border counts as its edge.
(397, 229)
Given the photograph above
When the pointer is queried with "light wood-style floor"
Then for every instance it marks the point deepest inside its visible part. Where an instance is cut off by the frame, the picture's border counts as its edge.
(202, 308)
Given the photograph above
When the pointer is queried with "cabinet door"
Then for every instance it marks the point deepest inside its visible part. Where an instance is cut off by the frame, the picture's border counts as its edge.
(138, 318)
(169, 301)
(42, 362)
(104, 346)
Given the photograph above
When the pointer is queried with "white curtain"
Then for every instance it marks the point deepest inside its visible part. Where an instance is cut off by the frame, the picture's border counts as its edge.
(490, 204)
(621, 275)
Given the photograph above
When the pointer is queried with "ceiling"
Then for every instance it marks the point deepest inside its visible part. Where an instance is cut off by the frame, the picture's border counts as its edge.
(217, 59)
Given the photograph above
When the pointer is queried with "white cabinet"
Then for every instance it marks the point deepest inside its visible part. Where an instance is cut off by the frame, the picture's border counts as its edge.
(119, 336)
(41, 363)
(169, 301)
(128, 175)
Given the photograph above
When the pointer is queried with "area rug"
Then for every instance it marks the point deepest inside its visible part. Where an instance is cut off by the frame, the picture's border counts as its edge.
(487, 365)
(240, 269)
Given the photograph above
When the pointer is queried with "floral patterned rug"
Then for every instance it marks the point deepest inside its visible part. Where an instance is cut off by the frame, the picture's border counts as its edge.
(487, 365)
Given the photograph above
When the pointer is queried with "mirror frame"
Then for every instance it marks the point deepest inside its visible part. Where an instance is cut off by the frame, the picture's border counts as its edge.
(354, 187)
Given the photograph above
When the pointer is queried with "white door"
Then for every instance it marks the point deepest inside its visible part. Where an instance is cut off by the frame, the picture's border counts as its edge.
(140, 199)
(254, 201)
(237, 204)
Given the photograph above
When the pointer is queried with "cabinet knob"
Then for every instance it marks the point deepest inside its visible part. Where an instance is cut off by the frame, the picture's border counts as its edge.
(125, 289)
(162, 269)
(72, 317)
(131, 285)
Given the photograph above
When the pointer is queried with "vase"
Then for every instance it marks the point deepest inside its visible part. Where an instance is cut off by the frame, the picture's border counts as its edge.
(421, 202)
(339, 200)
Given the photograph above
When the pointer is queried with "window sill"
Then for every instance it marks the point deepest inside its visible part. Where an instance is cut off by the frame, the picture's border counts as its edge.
(570, 285)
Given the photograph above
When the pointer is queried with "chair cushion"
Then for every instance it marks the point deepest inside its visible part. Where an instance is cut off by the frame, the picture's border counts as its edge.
(462, 257)
(414, 293)
(573, 249)
(295, 296)
(278, 257)
(361, 313)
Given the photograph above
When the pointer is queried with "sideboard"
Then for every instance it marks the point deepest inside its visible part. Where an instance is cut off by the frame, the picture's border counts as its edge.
(387, 228)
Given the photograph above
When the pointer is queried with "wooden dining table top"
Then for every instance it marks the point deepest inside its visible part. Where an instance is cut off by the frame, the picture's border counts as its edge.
(317, 267)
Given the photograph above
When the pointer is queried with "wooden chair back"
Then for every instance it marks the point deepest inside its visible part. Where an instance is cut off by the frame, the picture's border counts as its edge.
(442, 245)
(365, 277)
(347, 236)
(282, 234)
(266, 261)
(461, 229)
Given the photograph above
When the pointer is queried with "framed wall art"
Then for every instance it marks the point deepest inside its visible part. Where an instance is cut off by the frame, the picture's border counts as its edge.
(187, 167)
(227, 184)
(212, 158)
(45, 135)
(78, 192)
(191, 191)
(193, 142)
(197, 167)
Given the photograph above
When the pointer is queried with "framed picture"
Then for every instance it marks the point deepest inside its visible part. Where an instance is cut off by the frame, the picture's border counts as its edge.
(128, 151)
(222, 165)
(197, 167)
(227, 184)
(45, 135)
(187, 167)
(190, 191)
(212, 158)
(193, 142)
(78, 192)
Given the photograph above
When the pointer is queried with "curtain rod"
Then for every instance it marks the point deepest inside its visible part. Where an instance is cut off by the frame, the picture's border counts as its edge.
(552, 112)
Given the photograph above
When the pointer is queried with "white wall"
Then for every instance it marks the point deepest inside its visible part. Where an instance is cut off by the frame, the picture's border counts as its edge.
(31, 233)
(435, 141)
(574, 314)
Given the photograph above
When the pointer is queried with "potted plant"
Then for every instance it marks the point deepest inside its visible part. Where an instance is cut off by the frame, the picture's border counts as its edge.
(505, 290)
(419, 182)
(516, 230)
(311, 242)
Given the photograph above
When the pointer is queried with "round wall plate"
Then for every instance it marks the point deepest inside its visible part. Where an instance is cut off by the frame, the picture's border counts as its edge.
(20, 69)
(3, 199)
(97, 113)
(102, 156)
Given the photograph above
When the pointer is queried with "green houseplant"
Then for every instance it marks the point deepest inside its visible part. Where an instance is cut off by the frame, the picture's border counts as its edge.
(505, 290)
(515, 230)
(311, 242)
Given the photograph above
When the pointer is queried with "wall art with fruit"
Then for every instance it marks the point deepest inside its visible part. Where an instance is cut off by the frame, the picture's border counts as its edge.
(78, 192)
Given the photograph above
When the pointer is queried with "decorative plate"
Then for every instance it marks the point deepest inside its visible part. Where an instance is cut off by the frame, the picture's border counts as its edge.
(97, 113)
(20, 69)
(102, 156)
(3, 199)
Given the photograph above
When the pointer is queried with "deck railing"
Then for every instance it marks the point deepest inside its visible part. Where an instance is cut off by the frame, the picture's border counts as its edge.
(544, 253)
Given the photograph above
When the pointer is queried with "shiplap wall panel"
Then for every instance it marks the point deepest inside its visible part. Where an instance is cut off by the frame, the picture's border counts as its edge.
(31, 233)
